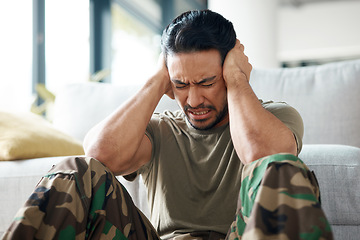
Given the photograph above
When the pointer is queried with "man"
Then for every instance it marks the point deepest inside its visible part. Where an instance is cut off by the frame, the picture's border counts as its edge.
(194, 162)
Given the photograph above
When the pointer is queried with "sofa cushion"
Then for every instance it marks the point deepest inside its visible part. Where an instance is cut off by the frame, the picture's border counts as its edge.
(326, 96)
(26, 135)
(337, 168)
(79, 106)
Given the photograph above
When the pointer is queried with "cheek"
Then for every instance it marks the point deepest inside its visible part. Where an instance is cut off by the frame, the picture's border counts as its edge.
(219, 98)
(218, 91)
(180, 97)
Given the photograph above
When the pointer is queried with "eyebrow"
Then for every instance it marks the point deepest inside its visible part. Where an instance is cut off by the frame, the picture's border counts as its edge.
(176, 81)
(205, 80)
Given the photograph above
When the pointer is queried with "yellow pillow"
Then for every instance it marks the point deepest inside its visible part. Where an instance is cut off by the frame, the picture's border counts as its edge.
(27, 135)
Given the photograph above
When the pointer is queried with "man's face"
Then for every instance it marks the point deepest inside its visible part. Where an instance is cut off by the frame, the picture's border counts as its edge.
(199, 88)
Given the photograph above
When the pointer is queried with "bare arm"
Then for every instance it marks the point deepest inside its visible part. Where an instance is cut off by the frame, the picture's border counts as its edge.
(255, 132)
(119, 141)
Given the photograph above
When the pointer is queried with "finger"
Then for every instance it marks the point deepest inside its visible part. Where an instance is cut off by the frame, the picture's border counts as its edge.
(237, 44)
(242, 47)
(249, 72)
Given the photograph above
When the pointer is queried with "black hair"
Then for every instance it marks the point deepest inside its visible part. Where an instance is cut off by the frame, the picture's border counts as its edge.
(198, 30)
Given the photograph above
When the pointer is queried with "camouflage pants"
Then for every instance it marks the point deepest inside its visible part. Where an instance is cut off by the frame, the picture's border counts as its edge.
(81, 199)
(279, 199)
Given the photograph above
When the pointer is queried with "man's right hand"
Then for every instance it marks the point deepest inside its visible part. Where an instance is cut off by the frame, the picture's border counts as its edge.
(164, 75)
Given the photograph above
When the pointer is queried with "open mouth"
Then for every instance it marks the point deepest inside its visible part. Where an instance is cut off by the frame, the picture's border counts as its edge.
(199, 115)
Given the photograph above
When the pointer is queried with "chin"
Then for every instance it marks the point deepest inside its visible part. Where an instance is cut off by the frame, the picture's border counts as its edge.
(201, 126)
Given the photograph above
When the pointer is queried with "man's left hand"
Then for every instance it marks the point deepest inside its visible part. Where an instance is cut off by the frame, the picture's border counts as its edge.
(236, 66)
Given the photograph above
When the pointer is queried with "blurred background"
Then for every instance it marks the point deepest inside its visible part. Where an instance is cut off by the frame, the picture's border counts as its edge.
(46, 44)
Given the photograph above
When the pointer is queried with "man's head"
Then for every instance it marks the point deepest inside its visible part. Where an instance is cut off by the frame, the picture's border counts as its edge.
(196, 31)
(195, 45)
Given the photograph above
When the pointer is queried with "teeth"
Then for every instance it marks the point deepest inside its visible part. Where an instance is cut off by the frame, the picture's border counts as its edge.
(200, 113)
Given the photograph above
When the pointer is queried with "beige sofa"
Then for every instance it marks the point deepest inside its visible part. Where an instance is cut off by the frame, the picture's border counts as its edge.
(326, 96)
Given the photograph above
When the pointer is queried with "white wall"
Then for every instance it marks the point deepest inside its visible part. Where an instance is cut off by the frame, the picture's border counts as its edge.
(319, 31)
(315, 31)
(255, 23)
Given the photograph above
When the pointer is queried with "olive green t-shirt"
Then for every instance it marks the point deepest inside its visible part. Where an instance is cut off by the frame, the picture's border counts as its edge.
(193, 178)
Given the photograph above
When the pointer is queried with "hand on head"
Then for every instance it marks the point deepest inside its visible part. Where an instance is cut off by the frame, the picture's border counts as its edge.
(236, 65)
(164, 75)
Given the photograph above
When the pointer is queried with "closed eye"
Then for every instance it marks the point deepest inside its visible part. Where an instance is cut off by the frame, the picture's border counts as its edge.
(207, 82)
(207, 85)
(179, 84)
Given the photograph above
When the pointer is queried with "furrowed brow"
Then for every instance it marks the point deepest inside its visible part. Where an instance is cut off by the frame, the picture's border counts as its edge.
(205, 80)
(178, 82)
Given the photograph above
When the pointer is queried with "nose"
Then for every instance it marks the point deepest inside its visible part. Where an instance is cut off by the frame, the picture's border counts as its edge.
(195, 97)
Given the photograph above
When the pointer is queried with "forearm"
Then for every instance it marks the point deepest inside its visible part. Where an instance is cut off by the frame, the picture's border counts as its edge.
(116, 139)
(255, 132)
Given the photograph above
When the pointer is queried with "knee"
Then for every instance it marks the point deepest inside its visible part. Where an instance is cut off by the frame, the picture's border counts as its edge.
(279, 157)
(79, 165)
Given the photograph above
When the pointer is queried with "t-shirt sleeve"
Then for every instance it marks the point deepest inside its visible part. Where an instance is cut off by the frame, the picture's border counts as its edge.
(290, 117)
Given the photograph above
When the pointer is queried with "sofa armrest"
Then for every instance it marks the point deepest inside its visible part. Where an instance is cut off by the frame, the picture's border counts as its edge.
(337, 168)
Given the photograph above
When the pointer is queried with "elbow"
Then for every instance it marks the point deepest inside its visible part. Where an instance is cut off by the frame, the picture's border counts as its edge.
(117, 161)
(104, 154)
(257, 150)
(98, 147)
(252, 155)
(98, 152)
